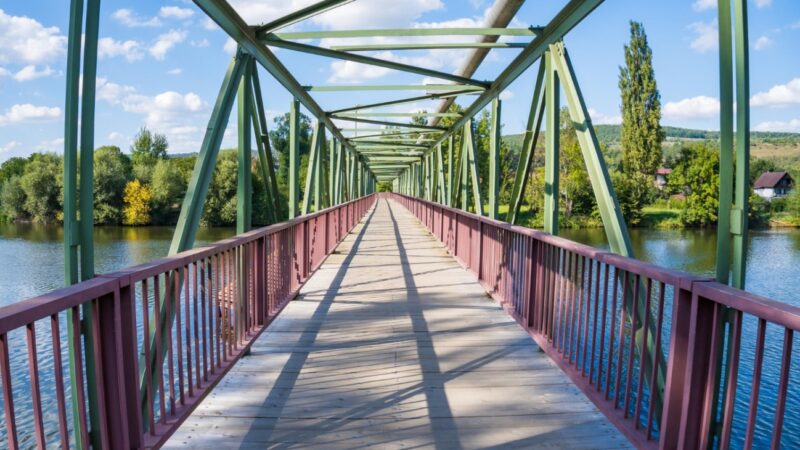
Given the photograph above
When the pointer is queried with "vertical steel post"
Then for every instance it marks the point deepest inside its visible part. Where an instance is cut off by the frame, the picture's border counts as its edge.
(450, 165)
(472, 159)
(440, 176)
(79, 234)
(313, 163)
(494, 159)
(294, 157)
(528, 145)
(726, 148)
(551, 152)
(244, 190)
(739, 223)
(464, 185)
(266, 148)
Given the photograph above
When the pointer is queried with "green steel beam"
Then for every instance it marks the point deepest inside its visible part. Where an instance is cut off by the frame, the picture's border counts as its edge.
(313, 166)
(473, 168)
(400, 32)
(726, 144)
(244, 185)
(464, 177)
(440, 175)
(494, 160)
(265, 149)
(78, 197)
(294, 158)
(427, 46)
(528, 145)
(401, 101)
(395, 114)
(273, 41)
(450, 165)
(552, 144)
(566, 19)
(299, 15)
(380, 144)
(394, 87)
(388, 124)
(330, 185)
(741, 196)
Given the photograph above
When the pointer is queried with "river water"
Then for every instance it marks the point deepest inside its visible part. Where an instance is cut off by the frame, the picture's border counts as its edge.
(31, 263)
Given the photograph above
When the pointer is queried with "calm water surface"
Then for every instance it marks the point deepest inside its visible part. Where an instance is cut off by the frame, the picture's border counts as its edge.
(31, 263)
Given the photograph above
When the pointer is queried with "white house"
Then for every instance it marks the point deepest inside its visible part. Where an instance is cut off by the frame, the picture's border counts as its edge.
(773, 185)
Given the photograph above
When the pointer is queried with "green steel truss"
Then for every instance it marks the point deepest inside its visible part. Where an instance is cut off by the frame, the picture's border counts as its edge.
(435, 162)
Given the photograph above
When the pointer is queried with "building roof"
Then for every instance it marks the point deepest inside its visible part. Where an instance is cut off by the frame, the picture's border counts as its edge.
(770, 179)
(663, 171)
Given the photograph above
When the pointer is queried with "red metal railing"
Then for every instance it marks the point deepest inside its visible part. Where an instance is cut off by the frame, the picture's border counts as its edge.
(211, 302)
(618, 326)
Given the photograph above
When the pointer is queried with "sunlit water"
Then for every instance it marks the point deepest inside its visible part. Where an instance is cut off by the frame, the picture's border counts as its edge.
(31, 263)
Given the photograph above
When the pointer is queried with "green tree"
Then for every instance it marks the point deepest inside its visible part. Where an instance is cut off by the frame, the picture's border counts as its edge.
(112, 170)
(12, 199)
(641, 133)
(279, 138)
(220, 206)
(168, 186)
(12, 167)
(42, 185)
(137, 203)
(146, 150)
(696, 174)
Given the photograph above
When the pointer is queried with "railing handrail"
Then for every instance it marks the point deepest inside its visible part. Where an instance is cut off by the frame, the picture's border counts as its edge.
(39, 307)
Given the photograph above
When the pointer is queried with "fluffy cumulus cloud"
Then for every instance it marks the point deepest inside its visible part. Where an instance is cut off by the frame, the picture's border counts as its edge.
(702, 5)
(792, 126)
(130, 19)
(26, 112)
(25, 40)
(30, 72)
(700, 107)
(175, 12)
(352, 72)
(779, 95)
(10, 146)
(762, 43)
(109, 48)
(763, 3)
(706, 36)
(598, 118)
(165, 42)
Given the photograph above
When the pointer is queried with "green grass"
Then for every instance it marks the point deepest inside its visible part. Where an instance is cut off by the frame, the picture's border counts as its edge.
(661, 217)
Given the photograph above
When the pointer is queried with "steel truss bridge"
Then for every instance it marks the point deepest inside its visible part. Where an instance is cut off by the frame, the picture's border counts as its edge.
(630, 354)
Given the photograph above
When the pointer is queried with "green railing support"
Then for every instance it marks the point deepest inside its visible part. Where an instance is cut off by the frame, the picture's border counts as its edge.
(552, 145)
(494, 159)
(535, 117)
(294, 157)
(244, 184)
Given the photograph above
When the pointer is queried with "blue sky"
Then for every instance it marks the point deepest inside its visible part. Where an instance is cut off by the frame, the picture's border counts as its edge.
(162, 61)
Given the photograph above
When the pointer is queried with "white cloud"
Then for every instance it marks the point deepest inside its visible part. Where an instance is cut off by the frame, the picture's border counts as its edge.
(700, 107)
(352, 72)
(230, 46)
(112, 92)
(779, 95)
(4, 72)
(762, 43)
(506, 95)
(209, 24)
(202, 43)
(27, 112)
(702, 5)
(52, 145)
(109, 48)
(29, 72)
(165, 42)
(599, 118)
(175, 71)
(175, 12)
(706, 36)
(792, 126)
(115, 136)
(10, 146)
(130, 19)
(24, 40)
(763, 3)
(376, 13)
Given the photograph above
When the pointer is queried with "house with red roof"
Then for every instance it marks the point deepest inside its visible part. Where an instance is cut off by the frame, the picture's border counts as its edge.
(773, 185)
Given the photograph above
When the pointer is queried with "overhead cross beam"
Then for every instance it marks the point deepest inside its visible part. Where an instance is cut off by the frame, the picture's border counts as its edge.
(411, 32)
(300, 15)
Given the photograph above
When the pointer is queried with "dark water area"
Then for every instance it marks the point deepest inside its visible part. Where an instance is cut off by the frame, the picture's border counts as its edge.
(31, 263)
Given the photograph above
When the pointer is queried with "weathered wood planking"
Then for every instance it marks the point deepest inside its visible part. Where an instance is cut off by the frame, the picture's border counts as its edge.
(393, 345)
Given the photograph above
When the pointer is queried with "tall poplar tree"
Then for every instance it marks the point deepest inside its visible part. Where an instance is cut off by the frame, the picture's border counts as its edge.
(641, 120)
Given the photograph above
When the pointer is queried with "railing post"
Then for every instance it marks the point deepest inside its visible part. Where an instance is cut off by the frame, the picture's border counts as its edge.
(119, 360)
(690, 372)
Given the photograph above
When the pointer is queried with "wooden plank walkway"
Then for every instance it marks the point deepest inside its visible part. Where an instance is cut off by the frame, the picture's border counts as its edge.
(392, 344)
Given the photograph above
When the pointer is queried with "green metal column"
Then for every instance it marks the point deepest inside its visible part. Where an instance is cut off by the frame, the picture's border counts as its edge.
(551, 152)
(312, 182)
(265, 149)
(79, 234)
(244, 185)
(472, 159)
(726, 145)
(294, 157)
(532, 129)
(450, 164)
(494, 159)
(440, 175)
(739, 225)
(319, 166)
(464, 178)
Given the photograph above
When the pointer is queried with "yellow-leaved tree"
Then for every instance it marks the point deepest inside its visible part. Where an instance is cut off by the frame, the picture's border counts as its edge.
(137, 203)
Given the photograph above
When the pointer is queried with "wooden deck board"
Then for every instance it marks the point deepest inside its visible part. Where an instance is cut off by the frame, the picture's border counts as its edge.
(392, 344)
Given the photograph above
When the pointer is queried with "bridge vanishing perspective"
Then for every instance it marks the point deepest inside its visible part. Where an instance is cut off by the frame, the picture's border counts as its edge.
(406, 319)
